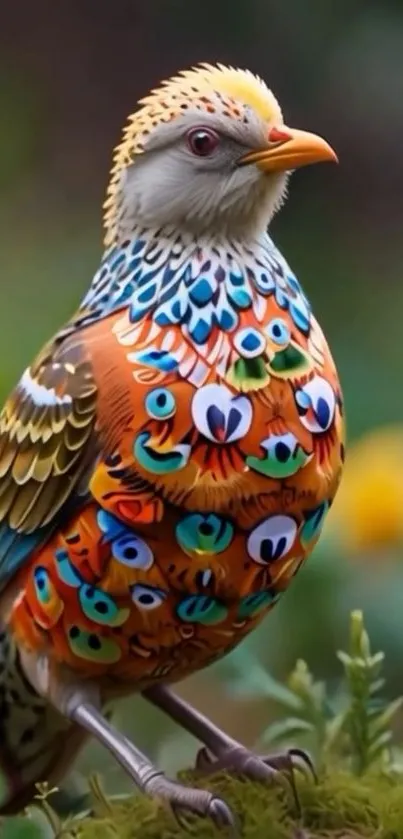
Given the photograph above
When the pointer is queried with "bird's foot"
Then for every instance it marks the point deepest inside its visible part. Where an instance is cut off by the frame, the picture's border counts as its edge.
(184, 801)
(274, 768)
(187, 802)
(222, 752)
(241, 761)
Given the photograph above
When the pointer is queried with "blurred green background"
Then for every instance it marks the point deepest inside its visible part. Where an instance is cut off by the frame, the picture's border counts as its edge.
(70, 72)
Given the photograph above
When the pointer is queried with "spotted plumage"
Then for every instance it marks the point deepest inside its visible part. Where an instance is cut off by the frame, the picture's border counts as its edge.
(167, 463)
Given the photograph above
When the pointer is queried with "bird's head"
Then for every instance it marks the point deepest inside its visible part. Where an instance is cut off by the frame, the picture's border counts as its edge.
(207, 151)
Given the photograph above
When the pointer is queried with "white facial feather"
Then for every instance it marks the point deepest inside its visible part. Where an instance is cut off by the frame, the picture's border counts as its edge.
(169, 184)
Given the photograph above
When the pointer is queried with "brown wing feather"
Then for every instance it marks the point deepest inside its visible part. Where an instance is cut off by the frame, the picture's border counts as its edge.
(47, 435)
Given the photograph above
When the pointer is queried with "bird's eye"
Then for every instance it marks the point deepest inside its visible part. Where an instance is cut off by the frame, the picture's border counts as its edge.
(202, 141)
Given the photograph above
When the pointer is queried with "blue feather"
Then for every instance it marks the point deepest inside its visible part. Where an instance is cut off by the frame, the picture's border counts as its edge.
(16, 547)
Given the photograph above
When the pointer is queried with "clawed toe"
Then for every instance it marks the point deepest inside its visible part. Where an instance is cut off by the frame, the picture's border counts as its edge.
(216, 809)
(278, 768)
(302, 760)
(290, 760)
(222, 815)
(187, 802)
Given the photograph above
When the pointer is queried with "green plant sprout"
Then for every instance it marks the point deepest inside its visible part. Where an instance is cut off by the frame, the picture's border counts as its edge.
(367, 719)
(359, 733)
(310, 722)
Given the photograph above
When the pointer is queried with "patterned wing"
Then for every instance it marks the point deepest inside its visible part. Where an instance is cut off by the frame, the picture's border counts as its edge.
(46, 445)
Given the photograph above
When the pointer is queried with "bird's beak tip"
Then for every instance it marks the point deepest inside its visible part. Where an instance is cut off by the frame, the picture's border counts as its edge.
(290, 149)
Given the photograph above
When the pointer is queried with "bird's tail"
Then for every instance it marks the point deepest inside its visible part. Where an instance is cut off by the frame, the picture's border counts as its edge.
(36, 743)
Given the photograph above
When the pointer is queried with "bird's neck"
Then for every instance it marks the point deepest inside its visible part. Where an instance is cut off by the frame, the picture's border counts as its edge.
(197, 282)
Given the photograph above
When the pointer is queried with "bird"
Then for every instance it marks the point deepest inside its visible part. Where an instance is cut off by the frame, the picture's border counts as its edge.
(168, 460)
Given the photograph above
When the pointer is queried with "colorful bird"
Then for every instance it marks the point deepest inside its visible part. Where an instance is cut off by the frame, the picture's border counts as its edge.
(167, 462)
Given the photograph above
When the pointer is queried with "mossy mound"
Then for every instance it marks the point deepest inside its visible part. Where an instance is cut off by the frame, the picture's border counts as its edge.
(340, 805)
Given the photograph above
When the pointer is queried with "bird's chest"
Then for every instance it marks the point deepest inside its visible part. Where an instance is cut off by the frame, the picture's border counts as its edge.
(226, 401)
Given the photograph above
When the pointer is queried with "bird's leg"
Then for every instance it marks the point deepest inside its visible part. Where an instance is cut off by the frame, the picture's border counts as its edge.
(81, 703)
(145, 775)
(226, 752)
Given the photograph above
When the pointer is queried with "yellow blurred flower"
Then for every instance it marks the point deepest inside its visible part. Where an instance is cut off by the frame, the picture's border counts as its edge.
(368, 511)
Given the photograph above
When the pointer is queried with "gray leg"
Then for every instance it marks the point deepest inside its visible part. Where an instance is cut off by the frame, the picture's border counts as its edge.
(80, 702)
(227, 753)
(146, 776)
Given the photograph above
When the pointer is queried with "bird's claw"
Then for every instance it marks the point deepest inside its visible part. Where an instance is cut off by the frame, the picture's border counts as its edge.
(222, 816)
(216, 809)
(278, 768)
(187, 802)
(304, 762)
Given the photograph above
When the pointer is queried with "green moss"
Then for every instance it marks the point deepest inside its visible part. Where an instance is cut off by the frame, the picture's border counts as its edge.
(340, 805)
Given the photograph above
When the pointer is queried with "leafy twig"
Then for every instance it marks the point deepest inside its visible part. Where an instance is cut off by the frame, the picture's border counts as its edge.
(359, 730)
(368, 717)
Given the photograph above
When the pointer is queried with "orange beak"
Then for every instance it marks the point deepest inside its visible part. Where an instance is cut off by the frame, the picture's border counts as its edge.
(289, 149)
